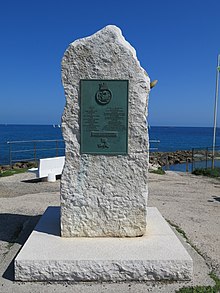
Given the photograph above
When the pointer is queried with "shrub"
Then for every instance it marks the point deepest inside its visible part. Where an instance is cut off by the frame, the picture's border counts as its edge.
(207, 172)
(159, 171)
(12, 172)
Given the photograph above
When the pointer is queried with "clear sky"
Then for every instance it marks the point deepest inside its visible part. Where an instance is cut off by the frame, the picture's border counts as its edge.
(177, 42)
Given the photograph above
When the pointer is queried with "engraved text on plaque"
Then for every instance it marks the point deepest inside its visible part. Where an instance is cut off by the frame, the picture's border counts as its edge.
(104, 116)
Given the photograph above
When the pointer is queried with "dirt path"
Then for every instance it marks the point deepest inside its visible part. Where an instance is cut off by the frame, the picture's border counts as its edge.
(25, 183)
(192, 203)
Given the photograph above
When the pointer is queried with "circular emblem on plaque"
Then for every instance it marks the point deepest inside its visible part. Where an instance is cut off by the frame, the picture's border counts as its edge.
(103, 95)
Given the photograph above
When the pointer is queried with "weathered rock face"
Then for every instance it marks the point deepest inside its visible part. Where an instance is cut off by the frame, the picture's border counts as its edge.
(104, 195)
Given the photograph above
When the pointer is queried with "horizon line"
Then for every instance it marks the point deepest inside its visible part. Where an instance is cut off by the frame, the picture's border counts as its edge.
(52, 124)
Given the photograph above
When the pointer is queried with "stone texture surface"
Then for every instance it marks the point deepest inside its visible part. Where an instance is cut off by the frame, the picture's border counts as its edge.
(104, 195)
(158, 255)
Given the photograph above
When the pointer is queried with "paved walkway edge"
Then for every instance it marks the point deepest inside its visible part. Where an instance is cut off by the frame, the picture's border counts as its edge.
(158, 255)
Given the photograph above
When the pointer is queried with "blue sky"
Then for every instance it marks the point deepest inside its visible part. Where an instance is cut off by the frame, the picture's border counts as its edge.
(177, 42)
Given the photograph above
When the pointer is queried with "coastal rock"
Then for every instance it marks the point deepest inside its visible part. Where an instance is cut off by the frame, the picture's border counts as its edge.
(104, 195)
(170, 158)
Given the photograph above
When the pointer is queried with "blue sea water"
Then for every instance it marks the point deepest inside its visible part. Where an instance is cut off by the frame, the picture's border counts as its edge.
(27, 150)
(182, 138)
(171, 139)
(28, 132)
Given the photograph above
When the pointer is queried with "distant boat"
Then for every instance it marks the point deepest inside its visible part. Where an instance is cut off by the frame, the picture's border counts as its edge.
(56, 126)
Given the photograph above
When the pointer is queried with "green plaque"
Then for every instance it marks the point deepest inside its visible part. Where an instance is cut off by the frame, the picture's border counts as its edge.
(104, 117)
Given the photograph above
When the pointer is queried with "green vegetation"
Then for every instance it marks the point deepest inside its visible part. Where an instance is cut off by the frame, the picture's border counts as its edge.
(197, 289)
(203, 289)
(178, 229)
(217, 281)
(159, 171)
(11, 172)
(15, 236)
(18, 167)
(207, 172)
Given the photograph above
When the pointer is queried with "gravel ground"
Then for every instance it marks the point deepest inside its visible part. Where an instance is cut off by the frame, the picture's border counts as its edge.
(190, 202)
(25, 183)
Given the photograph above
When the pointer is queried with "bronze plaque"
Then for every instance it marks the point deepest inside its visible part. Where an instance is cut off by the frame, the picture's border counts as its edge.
(104, 117)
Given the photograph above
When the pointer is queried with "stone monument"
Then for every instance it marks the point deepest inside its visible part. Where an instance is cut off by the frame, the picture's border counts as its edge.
(104, 182)
(93, 235)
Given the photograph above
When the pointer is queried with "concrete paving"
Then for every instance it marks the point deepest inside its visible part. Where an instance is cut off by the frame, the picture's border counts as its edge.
(157, 255)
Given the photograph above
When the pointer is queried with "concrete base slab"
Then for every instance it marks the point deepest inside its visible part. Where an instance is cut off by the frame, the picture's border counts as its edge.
(158, 255)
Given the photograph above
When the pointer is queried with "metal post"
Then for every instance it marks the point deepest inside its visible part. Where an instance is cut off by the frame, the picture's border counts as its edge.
(35, 153)
(206, 158)
(187, 165)
(167, 163)
(192, 160)
(215, 111)
(56, 148)
(10, 158)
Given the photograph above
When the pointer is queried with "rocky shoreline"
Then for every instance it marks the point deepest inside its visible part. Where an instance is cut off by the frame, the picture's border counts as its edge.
(18, 165)
(170, 158)
(177, 157)
(155, 158)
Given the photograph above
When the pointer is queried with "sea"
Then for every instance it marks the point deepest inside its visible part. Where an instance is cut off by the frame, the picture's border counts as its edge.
(32, 142)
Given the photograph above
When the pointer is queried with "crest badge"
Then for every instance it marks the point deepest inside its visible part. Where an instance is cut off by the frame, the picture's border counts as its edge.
(103, 95)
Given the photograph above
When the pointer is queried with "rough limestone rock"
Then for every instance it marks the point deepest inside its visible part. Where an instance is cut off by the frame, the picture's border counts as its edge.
(104, 195)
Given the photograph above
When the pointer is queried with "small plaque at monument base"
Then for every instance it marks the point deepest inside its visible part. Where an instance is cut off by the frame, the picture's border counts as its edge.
(104, 117)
